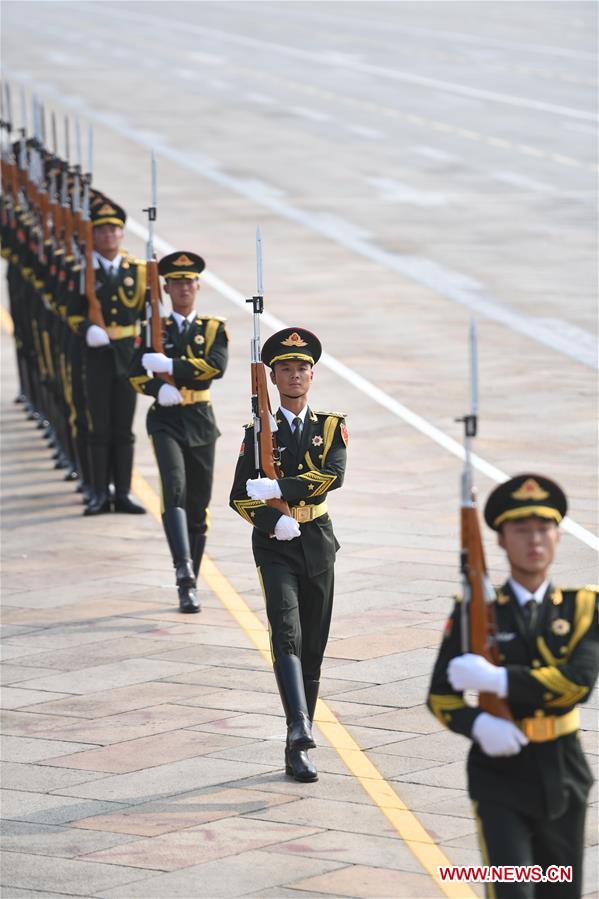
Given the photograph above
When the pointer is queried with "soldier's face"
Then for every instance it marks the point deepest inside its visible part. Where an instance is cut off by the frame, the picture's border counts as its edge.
(107, 239)
(292, 377)
(530, 544)
(183, 292)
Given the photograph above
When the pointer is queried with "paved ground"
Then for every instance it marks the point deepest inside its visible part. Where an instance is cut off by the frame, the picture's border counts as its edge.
(408, 164)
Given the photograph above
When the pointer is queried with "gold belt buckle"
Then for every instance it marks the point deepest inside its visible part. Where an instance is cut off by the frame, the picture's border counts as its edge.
(302, 514)
(539, 730)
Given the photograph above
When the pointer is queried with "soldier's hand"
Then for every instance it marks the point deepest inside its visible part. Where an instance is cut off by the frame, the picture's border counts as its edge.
(497, 736)
(263, 488)
(157, 363)
(473, 672)
(96, 336)
(168, 395)
(287, 528)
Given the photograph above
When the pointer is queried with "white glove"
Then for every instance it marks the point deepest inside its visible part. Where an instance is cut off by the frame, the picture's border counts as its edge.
(96, 336)
(263, 488)
(287, 528)
(168, 395)
(497, 736)
(473, 672)
(157, 363)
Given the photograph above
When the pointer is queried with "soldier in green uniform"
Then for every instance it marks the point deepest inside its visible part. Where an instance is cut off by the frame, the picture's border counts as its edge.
(528, 778)
(181, 422)
(295, 553)
(120, 287)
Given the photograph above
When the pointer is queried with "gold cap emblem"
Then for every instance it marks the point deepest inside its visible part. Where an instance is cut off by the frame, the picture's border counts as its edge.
(293, 340)
(106, 209)
(530, 490)
(183, 260)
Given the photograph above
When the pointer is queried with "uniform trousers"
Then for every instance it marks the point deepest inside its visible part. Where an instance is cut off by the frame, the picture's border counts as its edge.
(508, 837)
(186, 474)
(110, 400)
(299, 612)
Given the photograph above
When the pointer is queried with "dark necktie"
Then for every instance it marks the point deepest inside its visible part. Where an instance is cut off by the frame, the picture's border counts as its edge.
(297, 431)
(529, 612)
(184, 327)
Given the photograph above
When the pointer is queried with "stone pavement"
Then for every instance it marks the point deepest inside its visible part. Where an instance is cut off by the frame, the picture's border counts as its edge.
(142, 750)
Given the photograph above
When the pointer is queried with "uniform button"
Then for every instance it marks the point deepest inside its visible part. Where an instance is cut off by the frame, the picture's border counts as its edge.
(563, 650)
(299, 467)
(547, 696)
(536, 663)
(302, 502)
(113, 298)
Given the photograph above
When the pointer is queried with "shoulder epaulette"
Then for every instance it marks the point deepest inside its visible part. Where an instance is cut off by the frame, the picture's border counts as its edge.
(207, 318)
(327, 414)
(592, 587)
(249, 425)
(457, 597)
(133, 260)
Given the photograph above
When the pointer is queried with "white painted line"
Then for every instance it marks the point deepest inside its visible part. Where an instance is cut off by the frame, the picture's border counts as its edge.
(312, 115)
(363, 385)
(522, 181)
(264, 99)
(558, 335)
(368, 133)
(343, 60)
(391, 191)
(435, 153)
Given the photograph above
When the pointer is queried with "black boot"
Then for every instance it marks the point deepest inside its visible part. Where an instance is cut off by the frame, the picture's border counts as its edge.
(288, 672)
(98, 455)
(197, 542)
(175, 526)
(299, 766)
(122, 463)
(311, 688)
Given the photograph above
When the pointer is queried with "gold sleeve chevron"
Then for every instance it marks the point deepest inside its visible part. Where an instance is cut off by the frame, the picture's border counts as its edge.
(244, 507)
(319, 481)
(205, 371)
(567, 692)
(139, 383)
(443, 704)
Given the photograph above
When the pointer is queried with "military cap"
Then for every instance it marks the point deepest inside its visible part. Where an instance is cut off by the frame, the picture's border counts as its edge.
(291, 343)
(181, 265)
(525, 496)
(107, 213)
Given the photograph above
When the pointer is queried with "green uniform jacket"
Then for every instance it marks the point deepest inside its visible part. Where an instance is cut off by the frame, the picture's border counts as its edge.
(549, 673)
(308, 476)
(122, 300)
(200, 357)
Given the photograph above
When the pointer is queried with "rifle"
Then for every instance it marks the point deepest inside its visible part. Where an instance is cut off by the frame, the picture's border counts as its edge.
(478, 626)
(154, 339)
(267, 455)
(85, 236)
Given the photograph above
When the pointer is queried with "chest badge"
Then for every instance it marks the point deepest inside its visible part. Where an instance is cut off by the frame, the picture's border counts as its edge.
(561, 627)
(317, 441)
(199, 339)
(128, 281)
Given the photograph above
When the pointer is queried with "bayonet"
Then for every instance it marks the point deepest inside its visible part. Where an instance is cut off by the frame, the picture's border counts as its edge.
(23, 114)
(78, 142)
(42, 114)
(54, 137)
(90, 152)
(67, 147)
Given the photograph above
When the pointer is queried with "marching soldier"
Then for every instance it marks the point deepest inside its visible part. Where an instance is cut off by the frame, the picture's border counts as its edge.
(120, 288)
(528, 777)
(181, 422)
(295, 553)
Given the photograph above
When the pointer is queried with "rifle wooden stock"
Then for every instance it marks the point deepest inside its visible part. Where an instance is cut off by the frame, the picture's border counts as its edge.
(153, 285)
(268, 466)
(481, 615)
(95, 314)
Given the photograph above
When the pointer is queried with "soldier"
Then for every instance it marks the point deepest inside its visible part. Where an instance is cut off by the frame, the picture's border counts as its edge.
(295, 553)
(528, 778)
(181, 423)
(120, 288)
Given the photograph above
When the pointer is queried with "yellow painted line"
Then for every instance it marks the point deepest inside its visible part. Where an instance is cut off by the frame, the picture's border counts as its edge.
(405, 822)
(6, 321)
